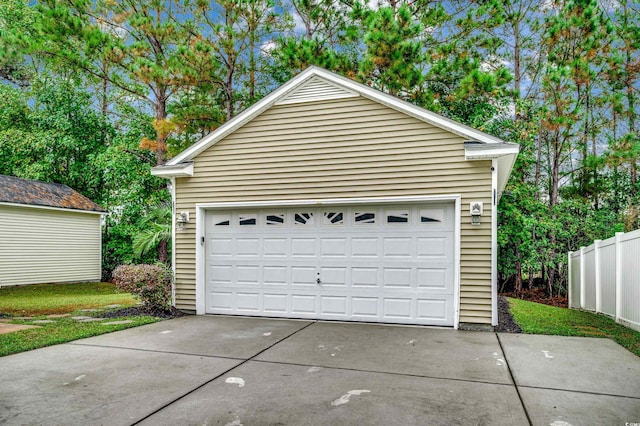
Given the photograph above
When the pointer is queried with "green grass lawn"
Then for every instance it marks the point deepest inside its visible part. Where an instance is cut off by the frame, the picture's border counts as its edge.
(38, 301)
(62, 330)
(47, 299)
(536, 318)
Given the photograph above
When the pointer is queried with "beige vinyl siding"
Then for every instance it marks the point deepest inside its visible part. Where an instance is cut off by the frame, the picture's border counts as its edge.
(39, 245)
(344, 148)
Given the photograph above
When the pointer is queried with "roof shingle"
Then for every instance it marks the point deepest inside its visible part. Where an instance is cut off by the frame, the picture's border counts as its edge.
(36, 193)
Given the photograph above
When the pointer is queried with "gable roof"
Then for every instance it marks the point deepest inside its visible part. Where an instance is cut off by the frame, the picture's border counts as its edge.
(16, 190)
(315, 83)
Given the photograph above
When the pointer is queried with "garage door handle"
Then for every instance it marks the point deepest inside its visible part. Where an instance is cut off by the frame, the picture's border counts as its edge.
(318, 280)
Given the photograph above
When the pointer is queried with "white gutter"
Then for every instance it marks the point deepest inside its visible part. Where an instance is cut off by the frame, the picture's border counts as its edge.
(61, 209)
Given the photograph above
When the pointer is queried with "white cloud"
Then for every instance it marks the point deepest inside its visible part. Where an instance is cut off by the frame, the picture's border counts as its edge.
(609, 5)
(113, 29)
(299, 25)
(267, 47)
(493, 63)
(548, 5)
(373, 4)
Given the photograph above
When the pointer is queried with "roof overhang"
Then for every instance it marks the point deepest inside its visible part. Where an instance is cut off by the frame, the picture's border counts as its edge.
(481, 146)
(476, 150)
(504, 152)
(183, 169)
(337, 80)
(60, 209)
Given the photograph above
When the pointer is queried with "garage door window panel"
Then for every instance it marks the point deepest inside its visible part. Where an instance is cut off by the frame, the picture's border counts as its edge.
(303, 218)
(275, 219)
(398, 216)
(248, 219)
(333, 218)
(221, 219)
(364, 218)
(432, 216)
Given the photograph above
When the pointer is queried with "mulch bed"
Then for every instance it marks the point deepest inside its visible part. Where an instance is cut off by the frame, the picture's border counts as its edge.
(506, 324)
(539, 295)
(135, 311)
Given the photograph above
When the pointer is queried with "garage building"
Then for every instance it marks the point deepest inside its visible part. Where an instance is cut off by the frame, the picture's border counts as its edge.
(331, 200)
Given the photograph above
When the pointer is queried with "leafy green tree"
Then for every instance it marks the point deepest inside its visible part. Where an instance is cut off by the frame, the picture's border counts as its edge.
(16, 21)
(393, 49)
(50, 132)
(130, 44)
(131, 188)
(227, 36)
(623, 133)
(509, 33)
(325, 36)
(575, 38)
(154, 233)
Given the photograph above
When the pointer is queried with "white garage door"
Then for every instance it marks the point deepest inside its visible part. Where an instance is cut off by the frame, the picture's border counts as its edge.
(362, 263)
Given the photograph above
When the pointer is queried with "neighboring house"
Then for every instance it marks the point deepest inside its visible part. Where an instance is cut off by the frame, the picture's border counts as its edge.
(331, 200)
(49, 233)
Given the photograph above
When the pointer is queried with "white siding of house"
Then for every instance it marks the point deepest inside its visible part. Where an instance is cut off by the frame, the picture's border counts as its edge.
(39, 245)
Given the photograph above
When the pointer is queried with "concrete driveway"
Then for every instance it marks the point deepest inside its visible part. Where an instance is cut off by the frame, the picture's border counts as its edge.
(250, 371)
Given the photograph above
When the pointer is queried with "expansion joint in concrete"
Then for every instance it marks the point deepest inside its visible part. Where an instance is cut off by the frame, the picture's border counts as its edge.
(513, 379)
(219, 375)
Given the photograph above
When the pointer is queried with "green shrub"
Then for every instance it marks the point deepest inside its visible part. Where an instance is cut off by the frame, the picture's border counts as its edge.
(151, 284)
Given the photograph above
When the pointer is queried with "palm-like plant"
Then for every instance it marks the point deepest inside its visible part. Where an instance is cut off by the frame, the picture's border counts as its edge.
(155, 232)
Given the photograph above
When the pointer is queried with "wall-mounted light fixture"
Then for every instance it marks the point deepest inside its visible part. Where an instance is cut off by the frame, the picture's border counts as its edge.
(182, 219)
(475, 210)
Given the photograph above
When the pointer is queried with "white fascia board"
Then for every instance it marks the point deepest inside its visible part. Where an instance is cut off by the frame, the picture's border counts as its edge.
(173, 171)
(488, 152)
(361, 89)
(60, 209)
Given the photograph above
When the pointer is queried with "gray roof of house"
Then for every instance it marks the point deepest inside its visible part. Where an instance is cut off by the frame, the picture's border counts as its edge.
(35, 193)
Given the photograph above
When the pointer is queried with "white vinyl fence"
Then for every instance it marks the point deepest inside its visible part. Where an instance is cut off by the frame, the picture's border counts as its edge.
(605, 278)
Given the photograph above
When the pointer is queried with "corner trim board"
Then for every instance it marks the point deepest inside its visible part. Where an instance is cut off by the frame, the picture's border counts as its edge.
(494, 243)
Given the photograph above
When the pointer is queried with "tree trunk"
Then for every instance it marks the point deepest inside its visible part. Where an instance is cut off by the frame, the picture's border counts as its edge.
(252, 67)
(105, 88)
(553, 201)
(518, 283)
(161, 115)
(163, 252)
(516, 68)
(631, 115)
(228, 102)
